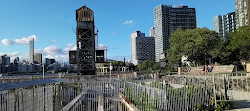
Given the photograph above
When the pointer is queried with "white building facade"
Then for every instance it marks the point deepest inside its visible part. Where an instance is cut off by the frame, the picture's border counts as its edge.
(223, 24)
(242, 12)
(31, 46)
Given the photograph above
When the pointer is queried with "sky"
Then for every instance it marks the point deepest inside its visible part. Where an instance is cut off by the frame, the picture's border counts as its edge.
(51, 23)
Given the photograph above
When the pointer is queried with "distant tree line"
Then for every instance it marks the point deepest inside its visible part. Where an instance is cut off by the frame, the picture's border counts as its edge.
(131, 66)
(148, 66)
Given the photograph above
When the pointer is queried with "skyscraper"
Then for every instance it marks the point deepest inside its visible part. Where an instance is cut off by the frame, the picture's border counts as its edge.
(31, 44)
(242, 11)
(166, 20)
(142, 48)
(38, 58)
(16, 60)
(4, 60)
(223, 24)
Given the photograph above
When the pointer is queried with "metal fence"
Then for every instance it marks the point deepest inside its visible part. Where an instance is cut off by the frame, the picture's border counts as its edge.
(36, 95)
(172, 93)
(98, 94)
(232, 87)
(95, 93)
(36, 98)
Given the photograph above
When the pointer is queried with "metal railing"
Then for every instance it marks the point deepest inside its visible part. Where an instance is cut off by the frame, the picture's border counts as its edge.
(92, 93)
(36, 98)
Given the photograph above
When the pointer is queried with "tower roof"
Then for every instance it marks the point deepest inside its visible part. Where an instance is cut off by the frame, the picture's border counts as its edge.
(84, 14)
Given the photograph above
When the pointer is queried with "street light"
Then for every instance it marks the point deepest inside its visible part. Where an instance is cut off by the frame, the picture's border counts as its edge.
(43, 71)
(110, 69)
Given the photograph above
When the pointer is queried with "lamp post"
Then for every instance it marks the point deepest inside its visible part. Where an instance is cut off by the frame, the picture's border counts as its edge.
(43, 71)
(110, 69)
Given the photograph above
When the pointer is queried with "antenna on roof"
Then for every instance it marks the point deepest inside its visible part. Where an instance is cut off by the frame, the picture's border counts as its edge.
(97, 31)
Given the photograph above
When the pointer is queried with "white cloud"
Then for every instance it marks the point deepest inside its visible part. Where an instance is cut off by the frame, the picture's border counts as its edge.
(12, 55)
(58, 58)
(38, 50)
(74, 48)
(60, 55)
(52, 50)
(22, 41)
(128, 22)
(25, 40)
(7, 42)
(56, 53)
(69, 47)
(24, 56)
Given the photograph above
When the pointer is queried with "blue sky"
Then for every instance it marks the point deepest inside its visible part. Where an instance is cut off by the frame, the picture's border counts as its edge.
(51, 23)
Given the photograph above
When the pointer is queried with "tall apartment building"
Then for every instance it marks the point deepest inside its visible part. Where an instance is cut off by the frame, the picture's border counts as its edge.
(38, 58)
(223, 24)
(166, 20)
(31, 45)
(4, 60)
(142, 48)
(242, 11)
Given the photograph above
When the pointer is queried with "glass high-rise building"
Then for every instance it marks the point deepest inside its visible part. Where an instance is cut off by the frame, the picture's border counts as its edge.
(223, 24)
(166, 20)
(242, 11)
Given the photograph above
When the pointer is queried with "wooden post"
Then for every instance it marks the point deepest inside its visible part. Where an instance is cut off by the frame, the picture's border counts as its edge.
(248, 69)
(214, 92)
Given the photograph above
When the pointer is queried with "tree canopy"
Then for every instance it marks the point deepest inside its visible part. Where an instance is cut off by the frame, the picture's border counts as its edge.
(197, 44)
(148, 65)
(240, 43)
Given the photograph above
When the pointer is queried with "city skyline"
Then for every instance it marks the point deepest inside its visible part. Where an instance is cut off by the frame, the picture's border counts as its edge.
(54, 35)
(94, 55)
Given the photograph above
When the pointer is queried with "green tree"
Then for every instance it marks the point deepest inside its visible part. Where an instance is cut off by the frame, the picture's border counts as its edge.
(156, 66)
(240, 43)
(197, 44)
(148, 65)
(117, 63)
(131, 66)
(226, 55)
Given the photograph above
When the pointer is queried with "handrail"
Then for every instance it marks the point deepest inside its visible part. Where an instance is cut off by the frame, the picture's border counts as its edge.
(72, 103)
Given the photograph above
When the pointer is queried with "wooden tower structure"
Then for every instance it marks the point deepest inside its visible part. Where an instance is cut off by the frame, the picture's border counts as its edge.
(85, 37)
